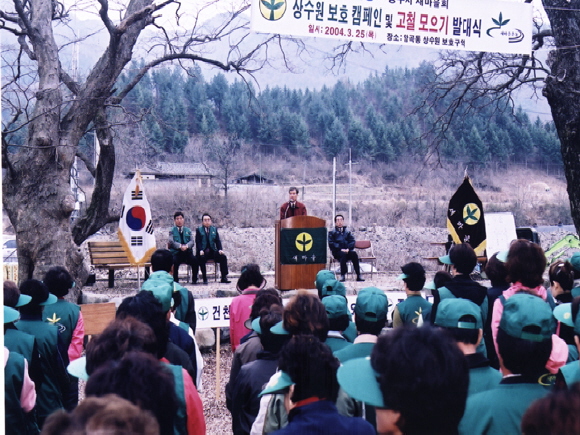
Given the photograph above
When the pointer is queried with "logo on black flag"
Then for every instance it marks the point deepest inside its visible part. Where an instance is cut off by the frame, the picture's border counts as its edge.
(465, 219)
(303, 246)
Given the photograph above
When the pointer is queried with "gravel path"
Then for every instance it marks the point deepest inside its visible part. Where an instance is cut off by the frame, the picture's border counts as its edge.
(217, 417)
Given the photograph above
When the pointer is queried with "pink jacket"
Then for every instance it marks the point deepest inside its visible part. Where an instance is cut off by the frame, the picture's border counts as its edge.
(559, 354)
(240, 310)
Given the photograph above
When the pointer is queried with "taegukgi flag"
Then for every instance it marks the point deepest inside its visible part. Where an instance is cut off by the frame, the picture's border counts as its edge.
(135, 226)
(465, 220)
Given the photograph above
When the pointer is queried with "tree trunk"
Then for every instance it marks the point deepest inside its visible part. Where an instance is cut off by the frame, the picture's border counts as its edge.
(562, 90)
(37, 192)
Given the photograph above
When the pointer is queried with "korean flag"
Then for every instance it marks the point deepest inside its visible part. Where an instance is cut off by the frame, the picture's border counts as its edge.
(135, 226)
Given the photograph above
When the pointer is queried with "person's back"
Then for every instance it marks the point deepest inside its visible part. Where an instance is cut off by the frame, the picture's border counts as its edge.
(462, 320)
(128, 334)
(311, 398)
(50, 347)
(414, 309)
(524, 345)
(249, 283)
(19, 390)
(245, 402)
(463, 260)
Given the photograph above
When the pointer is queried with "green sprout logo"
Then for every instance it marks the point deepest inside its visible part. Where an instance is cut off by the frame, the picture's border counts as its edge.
(272, 10)
(500, 22)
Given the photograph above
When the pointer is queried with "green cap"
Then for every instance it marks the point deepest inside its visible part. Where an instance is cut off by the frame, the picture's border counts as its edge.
(446, 259)
(321, 278)
(502, 256)
(256, 325)
(10, 314)
(450, 310)
(332, 287)
(372, 304)
(336, 306)
(23, 300)
(278, 329)
(563, 313)
(78, 368)
(524, 310)
(358, 379)
(403, 276)
(277, 383)
(431, 285)
(575, 261)
(162, 291)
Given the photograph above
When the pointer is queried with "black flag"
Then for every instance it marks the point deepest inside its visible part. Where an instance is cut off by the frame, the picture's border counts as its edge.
(303, 246)
(465, 220)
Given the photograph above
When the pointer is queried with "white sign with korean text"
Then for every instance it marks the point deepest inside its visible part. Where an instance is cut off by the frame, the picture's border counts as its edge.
(215, 312)
(474, 25)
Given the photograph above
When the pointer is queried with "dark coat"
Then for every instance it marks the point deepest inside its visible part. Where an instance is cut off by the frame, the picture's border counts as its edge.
(338, 240)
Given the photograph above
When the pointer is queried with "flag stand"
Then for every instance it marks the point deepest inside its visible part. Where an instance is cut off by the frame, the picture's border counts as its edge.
(217, 365)
(138, 277)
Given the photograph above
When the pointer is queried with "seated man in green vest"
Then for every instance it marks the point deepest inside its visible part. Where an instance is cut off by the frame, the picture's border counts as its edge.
(209, 247)
(181, 246)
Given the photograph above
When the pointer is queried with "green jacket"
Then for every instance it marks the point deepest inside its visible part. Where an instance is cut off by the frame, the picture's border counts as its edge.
(204, 242)
(67, 314)
(410, 309)
(186, 310)
(500, 410)
(55, 377)
(175, 239)
(180, 423)
(16, 421)
(571, 373)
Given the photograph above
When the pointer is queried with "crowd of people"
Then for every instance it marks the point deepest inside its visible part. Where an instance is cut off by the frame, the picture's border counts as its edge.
(475, 360)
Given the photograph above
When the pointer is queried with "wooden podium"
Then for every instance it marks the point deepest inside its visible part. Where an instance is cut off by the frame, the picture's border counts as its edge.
(297, 276)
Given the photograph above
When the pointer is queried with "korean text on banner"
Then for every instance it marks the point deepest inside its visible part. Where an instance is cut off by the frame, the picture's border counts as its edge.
(135, 226)
(474, 25)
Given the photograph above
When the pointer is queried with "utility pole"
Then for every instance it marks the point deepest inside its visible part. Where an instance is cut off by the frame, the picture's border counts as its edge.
(350, 187)
(333, 187)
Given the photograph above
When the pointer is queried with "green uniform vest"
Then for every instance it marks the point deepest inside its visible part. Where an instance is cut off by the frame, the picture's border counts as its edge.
(205, 244)
(180, 423)
(483, 379)
(499, 410)
(336, 344)
(411, 307)
(49, 397)
(65, 315)
(182, 309)
(571, 372)
(20, 342)
(177, 238)
(16, 421)
(350, 332)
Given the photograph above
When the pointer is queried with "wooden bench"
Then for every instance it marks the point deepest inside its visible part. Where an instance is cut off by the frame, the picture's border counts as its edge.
(110, 255)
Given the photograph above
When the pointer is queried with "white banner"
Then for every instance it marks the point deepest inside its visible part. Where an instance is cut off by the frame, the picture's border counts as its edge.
(215, 312)
(135, 226)
(474, 25)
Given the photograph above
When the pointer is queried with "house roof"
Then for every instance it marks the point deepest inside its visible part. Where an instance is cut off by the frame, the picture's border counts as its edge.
(165, 169)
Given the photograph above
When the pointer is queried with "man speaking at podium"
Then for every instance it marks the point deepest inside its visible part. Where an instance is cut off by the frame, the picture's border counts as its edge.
(292, 207)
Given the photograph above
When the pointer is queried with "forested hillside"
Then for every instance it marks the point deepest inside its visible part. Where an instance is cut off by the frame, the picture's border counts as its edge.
(380, 119)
